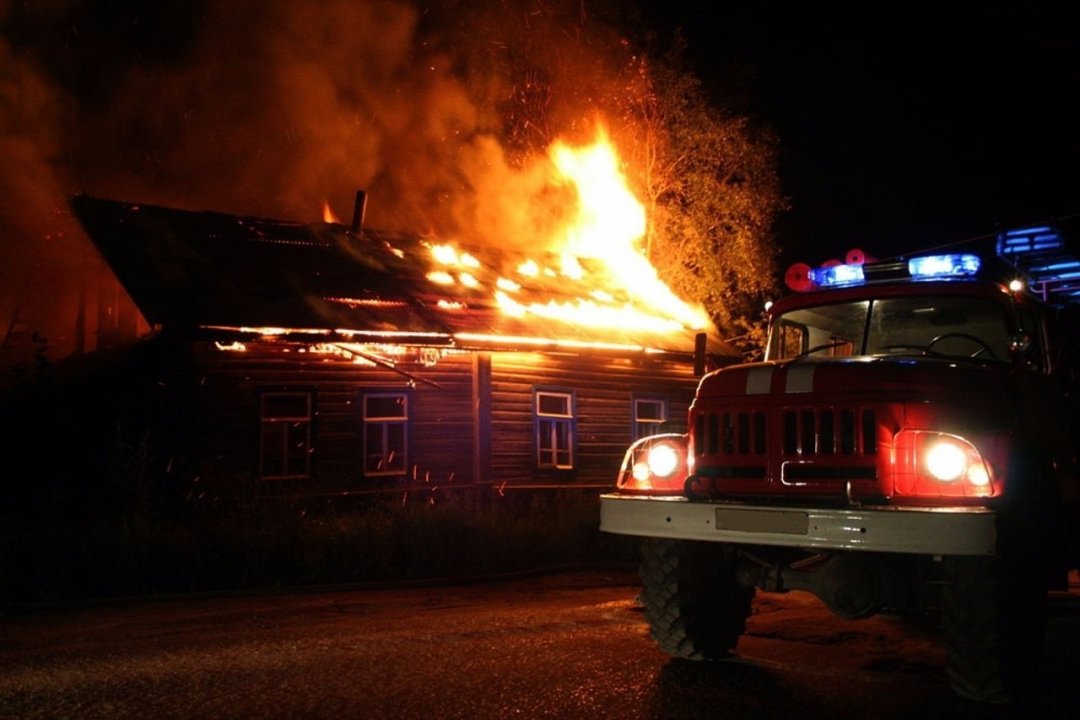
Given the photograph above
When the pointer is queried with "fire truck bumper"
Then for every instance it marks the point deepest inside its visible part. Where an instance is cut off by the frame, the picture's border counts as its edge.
(926, 531)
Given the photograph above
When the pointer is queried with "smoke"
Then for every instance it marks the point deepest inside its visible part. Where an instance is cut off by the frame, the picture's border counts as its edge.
(439, 111)
(40, 248)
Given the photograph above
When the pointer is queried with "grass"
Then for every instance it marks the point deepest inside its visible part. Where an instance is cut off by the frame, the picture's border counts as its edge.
(68, 550)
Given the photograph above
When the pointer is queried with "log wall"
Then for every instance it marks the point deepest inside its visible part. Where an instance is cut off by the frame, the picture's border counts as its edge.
(471, 414)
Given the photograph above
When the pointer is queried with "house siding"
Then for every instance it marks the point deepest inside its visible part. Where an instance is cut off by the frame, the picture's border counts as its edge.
(471, 414)
(603, 389)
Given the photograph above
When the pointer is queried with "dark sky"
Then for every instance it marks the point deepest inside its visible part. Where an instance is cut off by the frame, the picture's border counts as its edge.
(903, 128)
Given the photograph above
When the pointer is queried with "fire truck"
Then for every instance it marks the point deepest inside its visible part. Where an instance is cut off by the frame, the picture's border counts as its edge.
(907, 445)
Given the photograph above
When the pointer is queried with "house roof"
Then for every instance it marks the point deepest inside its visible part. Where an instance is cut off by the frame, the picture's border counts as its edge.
(229, 274)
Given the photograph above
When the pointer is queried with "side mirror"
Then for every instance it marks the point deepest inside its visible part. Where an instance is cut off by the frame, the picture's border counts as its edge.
(1023, 349)
(1020, 344)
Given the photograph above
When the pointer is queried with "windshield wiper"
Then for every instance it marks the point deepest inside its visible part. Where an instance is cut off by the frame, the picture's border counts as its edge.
(819, 348)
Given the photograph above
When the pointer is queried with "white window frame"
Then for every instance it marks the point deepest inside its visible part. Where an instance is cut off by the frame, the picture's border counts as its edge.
(644, 427)
(547, 431)
(395, 465)
(286, 428)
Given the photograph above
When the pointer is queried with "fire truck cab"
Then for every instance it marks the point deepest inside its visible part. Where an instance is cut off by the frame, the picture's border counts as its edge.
(907, 445)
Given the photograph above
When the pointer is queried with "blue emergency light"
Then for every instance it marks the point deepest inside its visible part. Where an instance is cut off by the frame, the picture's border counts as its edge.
(936, 267)
(1042, 254)
(837, 276)
(928, 267)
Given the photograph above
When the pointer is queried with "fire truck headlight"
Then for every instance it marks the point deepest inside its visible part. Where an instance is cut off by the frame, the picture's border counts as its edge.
(657, 465)
(937, 464)
(978, 475)
(946, 460)
(663, 460)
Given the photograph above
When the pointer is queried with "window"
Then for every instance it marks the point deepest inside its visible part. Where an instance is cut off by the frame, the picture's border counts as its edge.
(554, 430)
(823, 331)
(650, 415)
(385, 433)
(948, 326)
(953, 326)
(285, 435)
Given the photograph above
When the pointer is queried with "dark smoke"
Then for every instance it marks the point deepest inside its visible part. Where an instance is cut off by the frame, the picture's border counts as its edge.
(264, 108)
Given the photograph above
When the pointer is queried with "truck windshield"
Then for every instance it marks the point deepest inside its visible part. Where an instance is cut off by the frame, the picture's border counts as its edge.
(932, 326)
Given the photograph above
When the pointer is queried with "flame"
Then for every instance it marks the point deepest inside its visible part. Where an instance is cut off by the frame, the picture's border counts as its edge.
(328, 215)
(441, 277)
(609, 227)
(595, 260)
(529, 268)
(609, 218)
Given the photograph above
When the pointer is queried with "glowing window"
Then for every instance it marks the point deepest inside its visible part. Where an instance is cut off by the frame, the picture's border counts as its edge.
(285, 435)
(554, 413)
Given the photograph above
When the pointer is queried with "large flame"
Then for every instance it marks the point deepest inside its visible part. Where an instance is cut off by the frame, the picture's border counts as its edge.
(609, 227)
(600, 265)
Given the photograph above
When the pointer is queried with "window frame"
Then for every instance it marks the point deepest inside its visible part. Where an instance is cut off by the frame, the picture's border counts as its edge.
(638, 425)
(282, 452)
(385, 422)
(548, 424)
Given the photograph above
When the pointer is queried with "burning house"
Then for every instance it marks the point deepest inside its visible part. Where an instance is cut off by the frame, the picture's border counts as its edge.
(331, 358)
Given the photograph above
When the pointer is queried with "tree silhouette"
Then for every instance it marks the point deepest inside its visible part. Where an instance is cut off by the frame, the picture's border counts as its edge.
(710, 180)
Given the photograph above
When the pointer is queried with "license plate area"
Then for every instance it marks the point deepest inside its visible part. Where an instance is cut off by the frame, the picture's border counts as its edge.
(788, 522)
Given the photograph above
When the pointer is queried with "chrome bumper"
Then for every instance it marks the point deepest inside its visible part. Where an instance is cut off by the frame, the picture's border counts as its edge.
(924, 531)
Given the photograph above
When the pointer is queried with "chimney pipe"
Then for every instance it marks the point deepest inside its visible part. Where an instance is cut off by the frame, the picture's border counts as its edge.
(359, 209)
(699, 354)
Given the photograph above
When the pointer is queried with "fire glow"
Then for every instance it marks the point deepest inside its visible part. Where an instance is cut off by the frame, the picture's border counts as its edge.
(597, 256)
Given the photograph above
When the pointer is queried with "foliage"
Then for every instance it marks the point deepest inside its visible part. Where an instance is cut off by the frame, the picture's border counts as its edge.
(712, 189)
(708, 175)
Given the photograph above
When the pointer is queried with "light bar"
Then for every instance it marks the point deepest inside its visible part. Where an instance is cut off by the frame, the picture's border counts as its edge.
(943, 266)
(837, 276)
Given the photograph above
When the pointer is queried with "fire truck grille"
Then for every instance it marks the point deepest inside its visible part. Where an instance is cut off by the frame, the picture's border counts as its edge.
(734, 433)
(804, 433)
(829, 431)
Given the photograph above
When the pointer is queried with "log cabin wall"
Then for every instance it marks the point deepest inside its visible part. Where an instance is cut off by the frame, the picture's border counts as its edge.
(471, 415)
(603, 389)
(439, 406)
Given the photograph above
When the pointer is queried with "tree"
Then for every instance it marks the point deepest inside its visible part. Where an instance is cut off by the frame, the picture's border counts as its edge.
(711, 185)
(708, 177)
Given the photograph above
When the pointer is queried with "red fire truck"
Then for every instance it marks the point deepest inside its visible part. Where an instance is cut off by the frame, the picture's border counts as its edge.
(907, 445)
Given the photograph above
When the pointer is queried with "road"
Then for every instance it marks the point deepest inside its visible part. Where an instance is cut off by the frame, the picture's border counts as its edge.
(569, 645)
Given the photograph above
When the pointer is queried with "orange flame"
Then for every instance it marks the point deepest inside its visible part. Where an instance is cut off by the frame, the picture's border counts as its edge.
(609, 228)
(328, 215)
(599, 258)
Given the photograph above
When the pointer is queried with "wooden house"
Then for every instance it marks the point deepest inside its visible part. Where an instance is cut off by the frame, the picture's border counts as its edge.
(333, 358)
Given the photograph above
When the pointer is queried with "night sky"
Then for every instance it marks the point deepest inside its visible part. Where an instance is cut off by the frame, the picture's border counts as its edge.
(903, 127)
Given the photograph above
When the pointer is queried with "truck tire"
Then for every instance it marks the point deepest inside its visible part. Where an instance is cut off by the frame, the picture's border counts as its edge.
(695, 607)
(993, 623)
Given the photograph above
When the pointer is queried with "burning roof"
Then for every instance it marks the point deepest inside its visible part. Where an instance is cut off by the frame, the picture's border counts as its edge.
(229, 275)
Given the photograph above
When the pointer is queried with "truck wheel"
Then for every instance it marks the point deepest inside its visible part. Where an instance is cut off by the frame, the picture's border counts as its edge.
(695, 608)
(993, 623)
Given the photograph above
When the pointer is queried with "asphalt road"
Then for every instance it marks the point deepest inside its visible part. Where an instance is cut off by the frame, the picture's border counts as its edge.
(572, 645)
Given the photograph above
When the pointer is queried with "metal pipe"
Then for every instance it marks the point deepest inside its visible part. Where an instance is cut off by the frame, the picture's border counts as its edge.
(359, 210)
